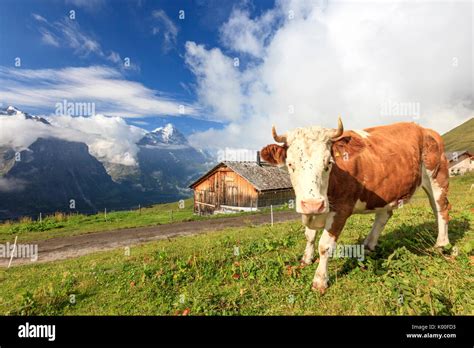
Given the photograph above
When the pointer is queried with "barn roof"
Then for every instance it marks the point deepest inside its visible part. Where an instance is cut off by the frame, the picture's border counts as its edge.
(263, 177)
(450, 155)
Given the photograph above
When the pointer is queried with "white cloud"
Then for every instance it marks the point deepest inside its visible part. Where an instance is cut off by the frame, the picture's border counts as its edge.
(109, 139)
(12, 184)
(72, 34)
(112, 94)
(243, 34)
(68, 33)
(48, 38)
(165, 27)
(348, 59)
(39, 18)
(218, 80)
(114, 57)
(90, 5)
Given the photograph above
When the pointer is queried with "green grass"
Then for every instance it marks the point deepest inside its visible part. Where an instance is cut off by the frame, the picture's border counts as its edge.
(61, 225)
(73, 224)
(205, 275)
(461, 137)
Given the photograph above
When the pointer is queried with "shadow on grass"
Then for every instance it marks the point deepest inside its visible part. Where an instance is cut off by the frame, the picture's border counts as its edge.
(418, 239)
(54, 304)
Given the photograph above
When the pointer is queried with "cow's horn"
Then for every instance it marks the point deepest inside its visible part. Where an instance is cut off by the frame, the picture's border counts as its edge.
(278, 138)
(340, 129)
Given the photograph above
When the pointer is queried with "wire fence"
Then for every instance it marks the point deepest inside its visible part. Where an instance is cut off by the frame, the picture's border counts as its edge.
(42, 214)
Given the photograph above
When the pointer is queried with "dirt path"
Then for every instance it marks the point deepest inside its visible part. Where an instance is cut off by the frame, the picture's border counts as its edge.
(69, 247)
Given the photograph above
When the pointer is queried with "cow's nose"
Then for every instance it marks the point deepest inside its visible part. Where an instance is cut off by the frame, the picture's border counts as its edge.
(313, 206)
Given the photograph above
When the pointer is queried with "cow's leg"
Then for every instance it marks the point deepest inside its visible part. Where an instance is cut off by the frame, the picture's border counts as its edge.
(442, 209)
(437, 191)
(381, 218)
(309, 250)
(333, 227)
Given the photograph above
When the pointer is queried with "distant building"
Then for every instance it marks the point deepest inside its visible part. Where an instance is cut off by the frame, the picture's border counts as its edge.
(460, 162)
(241, 186)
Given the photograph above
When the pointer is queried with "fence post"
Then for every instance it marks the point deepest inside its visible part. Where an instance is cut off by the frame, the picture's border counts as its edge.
(271, 212)
(105, 213)
(13, 252)
(41, 218)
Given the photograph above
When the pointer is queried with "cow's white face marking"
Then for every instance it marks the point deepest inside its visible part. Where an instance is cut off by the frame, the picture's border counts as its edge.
(309, 163)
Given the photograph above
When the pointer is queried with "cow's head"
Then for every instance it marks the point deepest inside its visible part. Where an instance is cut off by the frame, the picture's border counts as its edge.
(307, 154)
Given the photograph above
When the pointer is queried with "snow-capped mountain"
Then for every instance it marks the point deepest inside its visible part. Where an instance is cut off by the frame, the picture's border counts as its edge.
(11, 110)
(166, 163)
(52, 171)
(168, 134)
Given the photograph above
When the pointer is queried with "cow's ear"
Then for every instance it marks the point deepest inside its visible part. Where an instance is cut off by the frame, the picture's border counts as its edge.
(348, 147)
(274, 154)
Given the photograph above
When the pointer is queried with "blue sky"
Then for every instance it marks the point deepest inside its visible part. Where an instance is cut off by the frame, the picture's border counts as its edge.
(150, 33)
(300, 63)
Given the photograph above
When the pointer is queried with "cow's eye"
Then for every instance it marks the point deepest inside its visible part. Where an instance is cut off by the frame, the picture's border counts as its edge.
(328, 164)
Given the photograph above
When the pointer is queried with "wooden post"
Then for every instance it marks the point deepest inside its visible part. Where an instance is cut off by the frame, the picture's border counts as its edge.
(13, 252)
(105, 213)
(271, 213)
(41, 218)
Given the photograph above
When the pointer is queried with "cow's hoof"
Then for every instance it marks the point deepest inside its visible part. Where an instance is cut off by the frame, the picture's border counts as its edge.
(441, 243)
(321, 288)
(304, 262)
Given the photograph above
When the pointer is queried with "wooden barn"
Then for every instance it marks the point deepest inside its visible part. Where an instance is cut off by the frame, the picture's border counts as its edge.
(460, 162)
(241, 186)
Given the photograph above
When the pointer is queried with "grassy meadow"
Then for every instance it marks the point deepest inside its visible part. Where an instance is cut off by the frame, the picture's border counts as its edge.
(254, 270)
(61, 224)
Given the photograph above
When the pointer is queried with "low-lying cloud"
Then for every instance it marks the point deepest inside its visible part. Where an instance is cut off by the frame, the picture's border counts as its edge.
(12, 185)
(110, 139)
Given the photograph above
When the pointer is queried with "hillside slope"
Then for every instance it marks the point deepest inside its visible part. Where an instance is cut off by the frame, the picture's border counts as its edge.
(461, 137)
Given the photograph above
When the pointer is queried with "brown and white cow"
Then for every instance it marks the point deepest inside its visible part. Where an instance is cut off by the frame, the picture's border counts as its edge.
(337, 173)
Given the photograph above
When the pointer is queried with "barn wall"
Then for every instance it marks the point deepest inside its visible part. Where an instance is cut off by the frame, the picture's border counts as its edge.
(223, 187)
(462, 166)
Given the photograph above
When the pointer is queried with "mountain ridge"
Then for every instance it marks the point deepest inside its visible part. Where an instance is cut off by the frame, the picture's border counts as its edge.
(165, 165)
